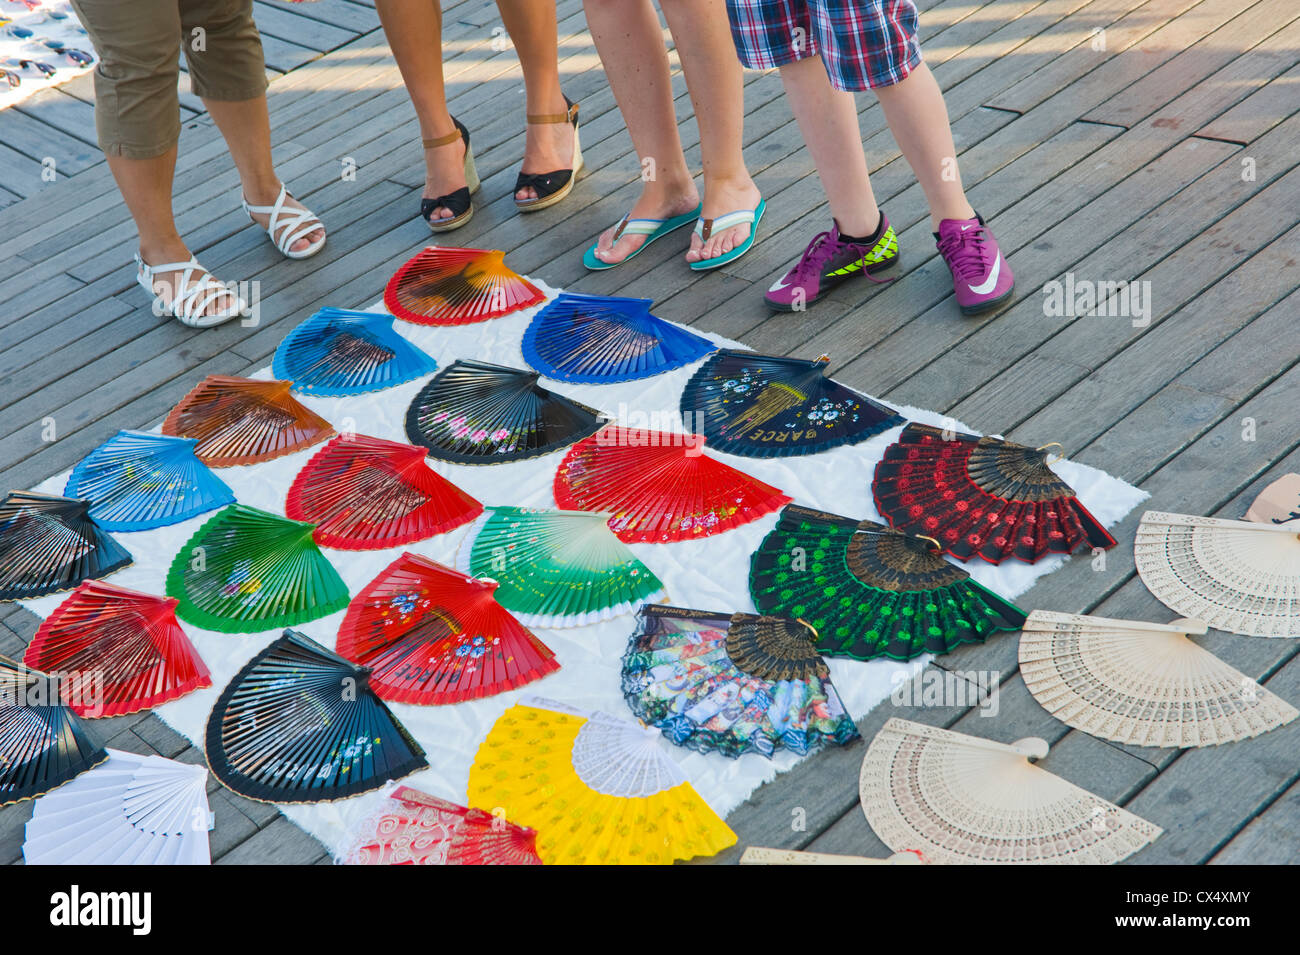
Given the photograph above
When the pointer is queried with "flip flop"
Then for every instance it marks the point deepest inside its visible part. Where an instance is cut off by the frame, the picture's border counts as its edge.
(706, 227)
(651, 228)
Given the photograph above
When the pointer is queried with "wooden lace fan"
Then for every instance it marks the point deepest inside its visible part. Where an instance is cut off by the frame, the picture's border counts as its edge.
(1145, 684)
(963, 799)
(1237, 576)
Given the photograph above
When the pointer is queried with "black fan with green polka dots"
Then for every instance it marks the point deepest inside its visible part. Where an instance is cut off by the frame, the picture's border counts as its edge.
(870, 591)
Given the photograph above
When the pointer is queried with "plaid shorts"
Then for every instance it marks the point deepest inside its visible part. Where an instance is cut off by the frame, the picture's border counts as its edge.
(864, 43)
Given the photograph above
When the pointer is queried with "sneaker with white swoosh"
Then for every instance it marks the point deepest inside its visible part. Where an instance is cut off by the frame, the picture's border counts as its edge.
(829, 260)
(981, 277)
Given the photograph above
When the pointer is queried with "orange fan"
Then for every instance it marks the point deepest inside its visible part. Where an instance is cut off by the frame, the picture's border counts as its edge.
(244, 421)
(659, 487)
(366, 493)
(430, 634)
(116, 651)
(443, 286)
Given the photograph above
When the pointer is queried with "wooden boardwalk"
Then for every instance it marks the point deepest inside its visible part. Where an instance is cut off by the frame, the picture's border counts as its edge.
(1156, 142)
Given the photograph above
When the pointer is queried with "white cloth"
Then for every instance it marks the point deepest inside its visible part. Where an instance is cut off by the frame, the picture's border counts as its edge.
(710, 574)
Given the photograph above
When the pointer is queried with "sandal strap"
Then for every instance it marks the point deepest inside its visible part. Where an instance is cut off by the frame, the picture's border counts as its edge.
(628, 226)
(186, 305)
(287, 226)
(544, 182)
(539, 119)
(458, 202)
(706, 227)
(441, 140)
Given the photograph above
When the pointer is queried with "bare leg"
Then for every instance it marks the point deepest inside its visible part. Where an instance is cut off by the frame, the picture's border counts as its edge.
(629, 39)
(531, 25)
(716, 85)
(414, 32)
(918, 119)
(247, 130)
(828, 119)
(146, 187)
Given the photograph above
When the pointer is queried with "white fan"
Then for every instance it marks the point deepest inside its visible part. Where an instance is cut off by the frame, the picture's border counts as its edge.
(757, 855)
(1237, 576)
(129, 810)
(1145, 684)
(962, 799)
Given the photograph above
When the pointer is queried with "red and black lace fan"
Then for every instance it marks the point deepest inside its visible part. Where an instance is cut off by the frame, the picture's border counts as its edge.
(366, 493)
(981, 497)
(118, 651)
(429, 635)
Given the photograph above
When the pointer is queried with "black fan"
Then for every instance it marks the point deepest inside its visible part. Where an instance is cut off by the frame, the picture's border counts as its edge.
(50, 543)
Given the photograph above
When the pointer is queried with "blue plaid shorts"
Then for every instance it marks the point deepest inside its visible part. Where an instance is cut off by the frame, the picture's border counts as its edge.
(864, 43)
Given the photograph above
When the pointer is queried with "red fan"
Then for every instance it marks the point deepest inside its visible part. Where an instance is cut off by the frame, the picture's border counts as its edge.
(244, 421)
(658, 486)
(430, 634)
(414, 828)
(116, 651)
(444, 286)
(367, 493)
(981, 496)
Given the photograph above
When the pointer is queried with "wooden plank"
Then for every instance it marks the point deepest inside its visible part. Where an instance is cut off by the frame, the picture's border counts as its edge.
(1259, 112)
(58, 108)
(349, 16)
(1271, 838)
(286, 23)
(280, 843)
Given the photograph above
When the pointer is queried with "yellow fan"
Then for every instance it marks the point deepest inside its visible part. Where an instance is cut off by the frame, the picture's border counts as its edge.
(598, 790)
(1145, 684)
(963, 799)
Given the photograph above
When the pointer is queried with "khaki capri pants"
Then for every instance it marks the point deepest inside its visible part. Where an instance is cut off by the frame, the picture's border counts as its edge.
(137, 111)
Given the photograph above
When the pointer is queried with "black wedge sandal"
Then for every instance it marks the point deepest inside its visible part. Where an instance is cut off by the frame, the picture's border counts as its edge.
(551, 187)
(458, 202)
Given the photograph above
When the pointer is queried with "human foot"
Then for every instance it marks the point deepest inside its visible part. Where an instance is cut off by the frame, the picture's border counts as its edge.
(548, 143)
(444, 172)
(721, 198)
(183, 288)
(829, 260)
(981, 277)
(284, 218)
(617, 243)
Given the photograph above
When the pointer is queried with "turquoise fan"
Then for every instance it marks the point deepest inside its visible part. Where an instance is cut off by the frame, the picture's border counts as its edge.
(338, 352)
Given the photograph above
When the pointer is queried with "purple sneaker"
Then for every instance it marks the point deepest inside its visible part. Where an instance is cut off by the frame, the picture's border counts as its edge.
(981, 277)
(827, 262)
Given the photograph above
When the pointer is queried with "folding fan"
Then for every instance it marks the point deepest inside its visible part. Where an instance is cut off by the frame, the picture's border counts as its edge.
(557, 568)
(42, 742)
(757, 855)
(599, 340)
(446, 286)
(760, 406)
(430, 634)
(598, 790)
(870, 591)
(367, 494)
(118, 651)
(1145, 684)
(981, 496)
(301, 724)
(1237, 576)
(659, 487)
(477, 413)
(50, 544)
(964, 799)
(414, 828)
(732, 683)
(137, 481)
(246, 570)
(338, 352)
(130, 810)
(244, 421)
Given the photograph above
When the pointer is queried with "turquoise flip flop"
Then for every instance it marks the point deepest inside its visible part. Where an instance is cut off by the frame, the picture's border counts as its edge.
(706, 227)
(651, 228)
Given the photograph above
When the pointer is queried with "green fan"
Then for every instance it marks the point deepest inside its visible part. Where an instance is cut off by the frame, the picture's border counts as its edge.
(246, 570)
(557, 568)
(870, 591)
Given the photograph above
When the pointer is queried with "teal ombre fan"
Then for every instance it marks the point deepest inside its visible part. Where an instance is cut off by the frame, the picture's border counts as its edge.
(556, 568)
(599, 339)
(246, 570)
(49, 544)
(339, 352)
(473, 412)
(300, 723)
(763, 406)
(136, 481)
(870, 591)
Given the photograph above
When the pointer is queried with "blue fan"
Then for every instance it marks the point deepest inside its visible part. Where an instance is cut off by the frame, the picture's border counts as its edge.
(597, 339)
(338, 352)
(137, 481)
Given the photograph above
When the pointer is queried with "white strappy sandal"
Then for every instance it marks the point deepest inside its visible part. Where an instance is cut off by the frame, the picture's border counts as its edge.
(188, 306)
(290, 225)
